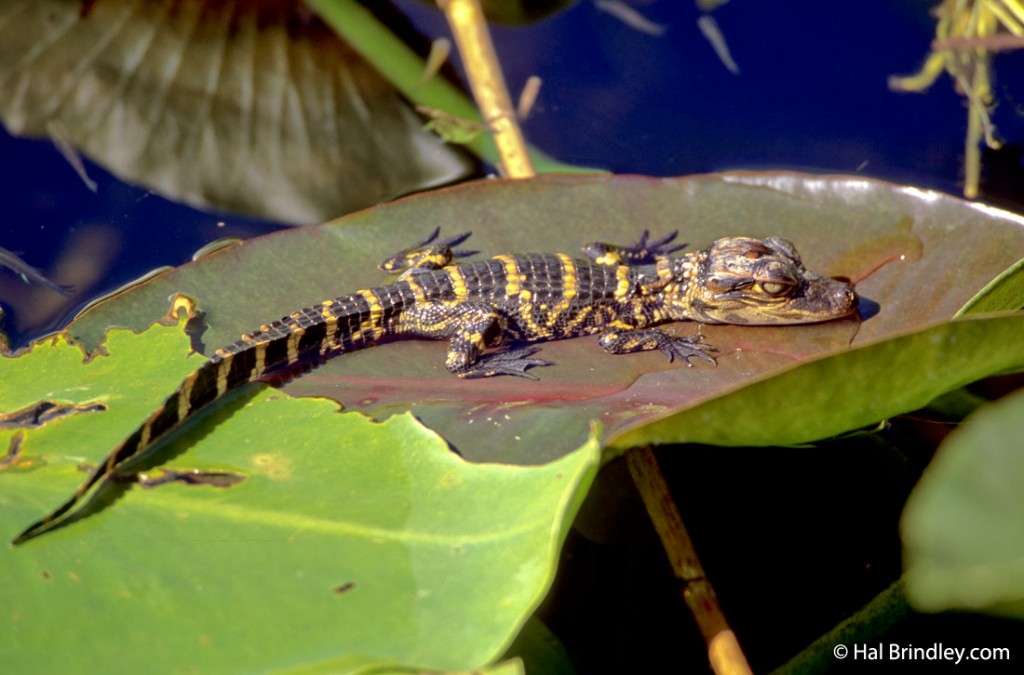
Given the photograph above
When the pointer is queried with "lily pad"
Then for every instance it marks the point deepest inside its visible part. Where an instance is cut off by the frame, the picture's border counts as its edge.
(918, 257)
(961, 526)
(345, 545)
(830, 395)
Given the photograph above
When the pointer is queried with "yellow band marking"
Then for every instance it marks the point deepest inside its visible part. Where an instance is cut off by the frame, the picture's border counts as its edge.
(664, 268)
(374, 325)
(513, 277)
(184, 394)
(261, 361)
(570, 286)
(222, 375)
(293, 345)
(458, 284)
(622, 286)
(332, 326)
(417, 290)
(146, 431)
(330, 336)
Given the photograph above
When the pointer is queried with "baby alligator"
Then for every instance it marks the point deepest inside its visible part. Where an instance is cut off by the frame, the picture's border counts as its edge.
(618, 293)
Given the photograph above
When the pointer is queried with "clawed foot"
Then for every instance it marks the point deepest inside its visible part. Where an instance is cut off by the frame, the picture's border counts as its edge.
(643, 252)
(686, 348)
(429, 254)
(508, 362)
(659, 248)
(447, 243)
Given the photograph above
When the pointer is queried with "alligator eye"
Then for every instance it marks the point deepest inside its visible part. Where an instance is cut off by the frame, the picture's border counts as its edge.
(774, 287)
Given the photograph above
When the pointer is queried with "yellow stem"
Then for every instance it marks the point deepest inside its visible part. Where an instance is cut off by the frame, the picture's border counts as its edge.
(485, 79)
(1014, 7)
(972, 156)
(1004, 17)
(724, 652)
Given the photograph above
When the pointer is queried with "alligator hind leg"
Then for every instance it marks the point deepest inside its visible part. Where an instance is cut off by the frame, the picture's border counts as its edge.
(471, 328)
(430, 254)
(504, 362)
(478, 329)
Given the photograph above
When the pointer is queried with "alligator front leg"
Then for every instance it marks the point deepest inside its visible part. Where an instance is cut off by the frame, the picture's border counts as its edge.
(643, 252)
(625, 341)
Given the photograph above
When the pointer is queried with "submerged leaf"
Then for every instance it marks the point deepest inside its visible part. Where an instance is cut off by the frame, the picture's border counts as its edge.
(254, 107)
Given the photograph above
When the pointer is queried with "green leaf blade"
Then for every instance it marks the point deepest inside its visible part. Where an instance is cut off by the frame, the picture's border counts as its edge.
(961, 525)
(836, 393)
(349, 543)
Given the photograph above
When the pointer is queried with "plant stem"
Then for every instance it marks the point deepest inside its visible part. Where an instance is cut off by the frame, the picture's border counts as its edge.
(724, 651)
(404, 69)
(466, 20)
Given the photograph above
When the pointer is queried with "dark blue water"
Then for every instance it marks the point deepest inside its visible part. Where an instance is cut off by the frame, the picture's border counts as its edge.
(811, 95)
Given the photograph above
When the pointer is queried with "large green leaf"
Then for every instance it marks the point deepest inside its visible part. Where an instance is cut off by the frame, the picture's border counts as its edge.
(962, 524)
(348, 543)
(917, 256)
